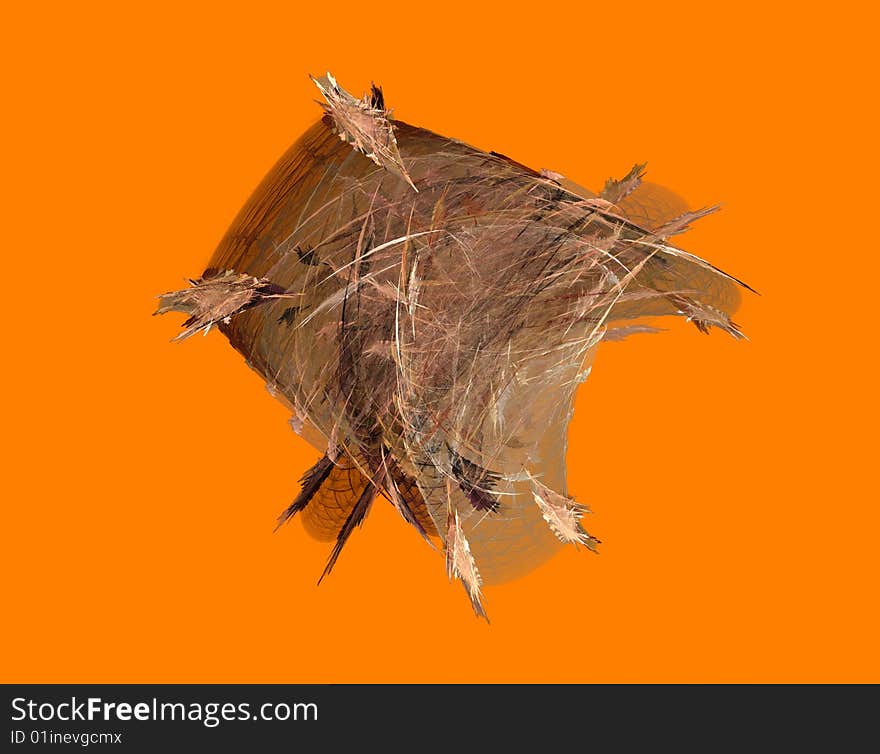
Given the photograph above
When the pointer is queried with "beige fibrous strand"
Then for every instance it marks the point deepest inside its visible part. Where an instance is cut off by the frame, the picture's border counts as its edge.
(427, 311)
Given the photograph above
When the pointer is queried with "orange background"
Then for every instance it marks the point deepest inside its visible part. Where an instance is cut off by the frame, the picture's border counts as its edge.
(142, 479)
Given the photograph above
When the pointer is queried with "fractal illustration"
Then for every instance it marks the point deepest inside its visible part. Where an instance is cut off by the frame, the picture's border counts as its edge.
(427, 310)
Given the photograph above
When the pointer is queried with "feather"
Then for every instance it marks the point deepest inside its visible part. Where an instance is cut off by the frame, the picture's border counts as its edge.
(217, 298)
(614, 190)
(705, 316)
(563, 516)
(311, 482)
(355, 519)
(364, 124)
(392, 475)
(460, 563)
(476, 483)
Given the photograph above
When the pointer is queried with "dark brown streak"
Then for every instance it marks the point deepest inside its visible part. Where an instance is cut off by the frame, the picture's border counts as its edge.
(392, 473)
(472, 480)
(311, 482)
(377, 99)
(355, 518)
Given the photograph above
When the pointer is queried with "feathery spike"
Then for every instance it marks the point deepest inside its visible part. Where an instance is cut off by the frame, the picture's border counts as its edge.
(217, 298)
(311, 482)
(460, 563)
(614, 190)
(355, 519)
(364, 123)
(705, 316)
(563, 515)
